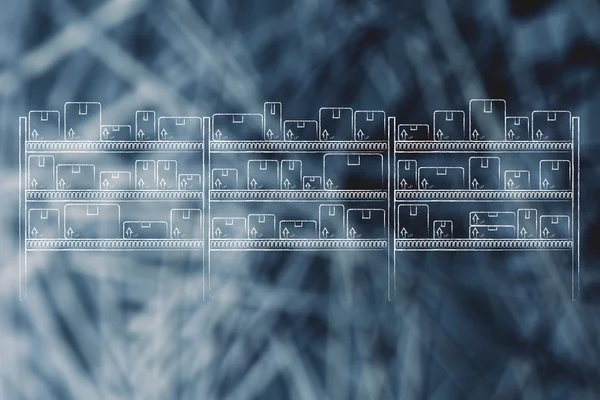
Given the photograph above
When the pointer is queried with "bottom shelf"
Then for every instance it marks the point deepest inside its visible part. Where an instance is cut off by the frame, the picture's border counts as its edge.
(482, 244)
(111, 244)
(297, 244)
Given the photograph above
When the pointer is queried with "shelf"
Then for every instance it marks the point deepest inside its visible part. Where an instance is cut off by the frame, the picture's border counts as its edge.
(295, 195)
(313, 146)
(471, 147)
(111, 195)
(292, 244)
(119, 147)
(482, 244)
(111, 244)
(482, 195)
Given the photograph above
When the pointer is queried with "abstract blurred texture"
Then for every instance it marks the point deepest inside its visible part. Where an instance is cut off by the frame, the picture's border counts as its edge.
(307, 325)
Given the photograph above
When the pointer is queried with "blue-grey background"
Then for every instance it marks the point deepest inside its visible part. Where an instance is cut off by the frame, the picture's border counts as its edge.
(304, 326)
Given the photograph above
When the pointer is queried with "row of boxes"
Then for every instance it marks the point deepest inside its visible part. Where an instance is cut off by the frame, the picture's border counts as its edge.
(149, 175)
(287, 174)
(413, 223)
(333, 223)
(103, 221)
(487, 121)
(484, 174)
(83, 122)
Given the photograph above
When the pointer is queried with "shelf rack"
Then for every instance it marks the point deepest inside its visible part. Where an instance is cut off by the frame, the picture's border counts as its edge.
(454, 150)
(57, 199)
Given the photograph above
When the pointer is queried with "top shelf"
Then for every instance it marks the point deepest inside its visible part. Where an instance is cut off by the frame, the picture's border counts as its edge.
(111, 146)
(473, 147)
(295, 146)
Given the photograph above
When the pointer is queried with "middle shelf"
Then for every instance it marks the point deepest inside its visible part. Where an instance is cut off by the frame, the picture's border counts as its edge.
(486, 195)
(296, 195)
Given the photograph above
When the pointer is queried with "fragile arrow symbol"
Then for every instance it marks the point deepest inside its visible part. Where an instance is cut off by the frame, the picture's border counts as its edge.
(307, 186)
(183, 184)
(163, 134)
(34, 233)
(325, 233)
(403, 233)
(218, 232)
(325, 134)
(141, 184)
(70, 232)
(545, 184)
(163, 184)
(439, 232)
(475, 219)
(140, 135)
(329, 184)
(129, 233)
(286, 184)
(510, 184)
(61, 184)
(34, 184)
(285, 233)
(475, 233)
(176, 233)
(539, 135)
(546, 233)
(105, 133)
(34, 134)
(403, 134)
(424, 184)
(439, 134)
(253, 233)
(253, 184)
(105, 183)
(217, 183)
(352, 233)
(475, 184)
(403, 184)
(71, 133)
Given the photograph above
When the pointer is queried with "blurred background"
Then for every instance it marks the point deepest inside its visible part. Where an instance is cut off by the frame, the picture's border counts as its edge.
(304, 325)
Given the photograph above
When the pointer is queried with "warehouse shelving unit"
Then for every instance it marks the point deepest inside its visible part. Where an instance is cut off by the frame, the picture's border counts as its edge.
(275, 162)
(89, 213)
(530, 195)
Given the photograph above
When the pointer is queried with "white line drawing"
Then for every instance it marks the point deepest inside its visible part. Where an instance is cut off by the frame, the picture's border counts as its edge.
(498, 218)
(443, 229)
(229, 228)
(484, 173)
(441, 178)
(263, 175)
(40, 172)
(145, 230)
(145, 175)
(517, 128)
(76, 177)
(190, 181)
(491, 232)
(116, 132)
(224, 178)
(356, 218)
(552, 125)
(413, 132)
(487, 119)
(186, 223)
(145, 125)
(305, 130)
(115, 180)
(527, 223)
(181, 129)
(370, 125)
(262, 226)
(44, 125)
(237, 127)
(406, 175)
(166, 175)
(449, 125)
(364, 163)
(336, 124)
(291, 175)
(298, 229)
(92, 221)
(312, 183)
(555, 175)
(412, 221)
(82, 121)
(43, 223)
(555, 227)
(273, 118)
(517, 179)
(332, 221)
